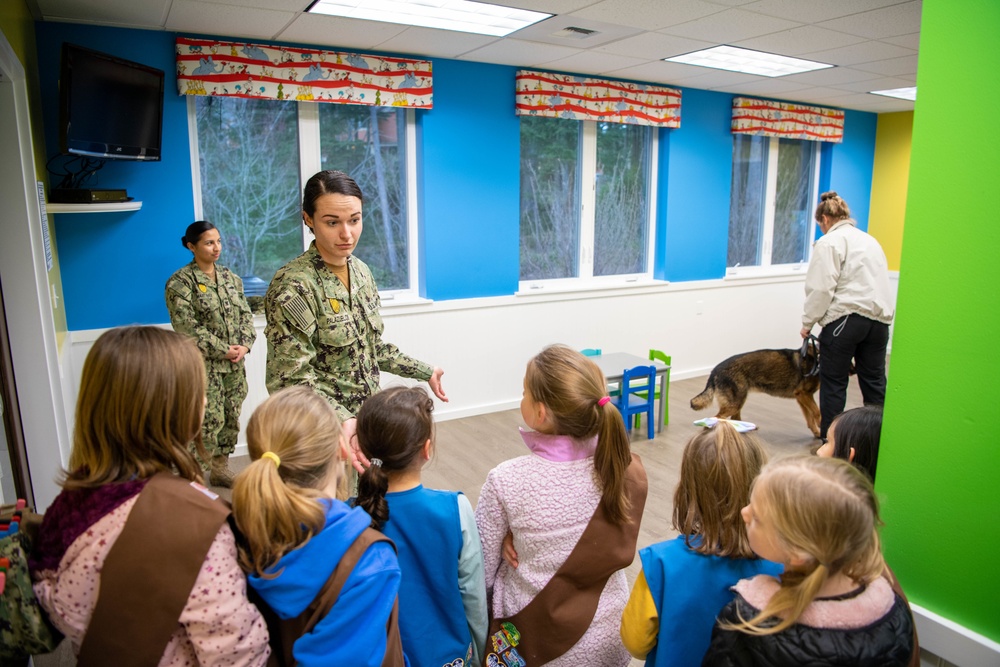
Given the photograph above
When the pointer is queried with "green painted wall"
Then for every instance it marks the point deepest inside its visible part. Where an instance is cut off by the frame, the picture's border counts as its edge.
(939, 471)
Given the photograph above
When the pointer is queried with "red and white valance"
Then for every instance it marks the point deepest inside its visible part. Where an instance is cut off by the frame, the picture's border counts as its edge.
(786, 120)
(237, 69)
(586, 98)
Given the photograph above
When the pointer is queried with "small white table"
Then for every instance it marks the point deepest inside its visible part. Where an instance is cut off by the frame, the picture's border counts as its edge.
(613, 365)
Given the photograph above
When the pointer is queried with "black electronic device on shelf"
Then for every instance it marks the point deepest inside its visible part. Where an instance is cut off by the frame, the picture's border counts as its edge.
(87, 196)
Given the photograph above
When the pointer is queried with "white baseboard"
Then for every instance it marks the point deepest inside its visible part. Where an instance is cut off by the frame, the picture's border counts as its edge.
(953, 642)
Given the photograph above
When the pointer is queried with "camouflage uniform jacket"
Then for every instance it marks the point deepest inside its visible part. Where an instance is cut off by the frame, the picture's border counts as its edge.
(215, 314)
(321, 336)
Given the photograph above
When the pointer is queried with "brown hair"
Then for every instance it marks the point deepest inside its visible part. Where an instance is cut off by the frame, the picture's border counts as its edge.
(832, 206)
(140, 407)
(570, 385)
(393, 426)
(277, 505)
(824, 510)
(328, 182)
(717, 471)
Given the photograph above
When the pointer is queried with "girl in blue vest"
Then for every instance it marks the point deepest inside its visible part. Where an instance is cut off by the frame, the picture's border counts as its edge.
(442, 595)
(685, 581)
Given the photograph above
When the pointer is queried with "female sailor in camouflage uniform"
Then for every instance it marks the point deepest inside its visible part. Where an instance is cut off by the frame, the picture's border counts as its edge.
(206, 302)
(324, 329)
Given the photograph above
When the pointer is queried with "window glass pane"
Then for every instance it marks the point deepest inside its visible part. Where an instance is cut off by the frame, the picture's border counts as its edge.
(550, 198)
(249, 162)
(368, 144)
(622, 215)
(746, 204)
(793, 201)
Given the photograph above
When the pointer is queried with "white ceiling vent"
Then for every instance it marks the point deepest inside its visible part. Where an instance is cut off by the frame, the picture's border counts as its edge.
(573, 32)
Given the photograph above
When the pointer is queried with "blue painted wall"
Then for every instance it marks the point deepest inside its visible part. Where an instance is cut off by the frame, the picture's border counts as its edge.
(471, 183)
(114, 266)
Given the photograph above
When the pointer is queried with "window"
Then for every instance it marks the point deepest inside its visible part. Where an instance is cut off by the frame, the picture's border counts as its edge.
(773, 195)
(254, 157)
(572, 233)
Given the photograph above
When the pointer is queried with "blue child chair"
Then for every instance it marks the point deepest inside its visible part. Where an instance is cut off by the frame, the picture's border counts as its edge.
(630, 403)
(665, 358)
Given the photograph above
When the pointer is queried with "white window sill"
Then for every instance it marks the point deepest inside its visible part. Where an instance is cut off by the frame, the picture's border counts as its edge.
(542, 289)
(756, 272)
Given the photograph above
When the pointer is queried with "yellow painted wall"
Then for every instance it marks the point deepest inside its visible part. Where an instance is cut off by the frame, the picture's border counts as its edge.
(890, 177)
(18, 28)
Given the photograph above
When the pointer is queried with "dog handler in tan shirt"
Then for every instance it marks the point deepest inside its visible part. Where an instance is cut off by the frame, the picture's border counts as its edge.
(848, 294)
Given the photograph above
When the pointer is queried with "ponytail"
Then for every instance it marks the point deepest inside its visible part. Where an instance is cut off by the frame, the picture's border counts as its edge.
(612, 459)
(294, 440)
(833, 207)
(393, 427)
(372, 487)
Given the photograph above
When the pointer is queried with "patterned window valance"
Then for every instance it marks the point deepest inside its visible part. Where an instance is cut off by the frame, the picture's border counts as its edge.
(236, 69)
(788, 121)
(584, 98)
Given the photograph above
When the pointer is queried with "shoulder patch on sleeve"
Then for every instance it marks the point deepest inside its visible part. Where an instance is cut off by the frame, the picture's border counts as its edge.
(298, 313)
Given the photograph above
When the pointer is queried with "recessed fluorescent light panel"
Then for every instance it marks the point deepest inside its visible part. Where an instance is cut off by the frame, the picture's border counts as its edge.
(461, 15)
(901, 93)
(735, 59)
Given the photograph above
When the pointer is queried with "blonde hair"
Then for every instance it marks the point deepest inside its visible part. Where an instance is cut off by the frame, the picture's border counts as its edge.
(717, 471)
(569, 385)
(140, 407)
(824, 510)
(832, 206)
(277, 505)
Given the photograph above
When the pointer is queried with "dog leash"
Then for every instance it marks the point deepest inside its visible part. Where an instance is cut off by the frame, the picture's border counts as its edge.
(810, 344)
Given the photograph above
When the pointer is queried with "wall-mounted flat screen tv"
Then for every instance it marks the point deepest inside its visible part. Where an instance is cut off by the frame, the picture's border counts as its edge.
(109, 107)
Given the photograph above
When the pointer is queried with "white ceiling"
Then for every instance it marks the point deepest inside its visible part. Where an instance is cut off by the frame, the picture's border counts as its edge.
(872, 43)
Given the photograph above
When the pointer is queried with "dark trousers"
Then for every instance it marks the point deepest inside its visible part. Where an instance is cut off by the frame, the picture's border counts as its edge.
(850, 337)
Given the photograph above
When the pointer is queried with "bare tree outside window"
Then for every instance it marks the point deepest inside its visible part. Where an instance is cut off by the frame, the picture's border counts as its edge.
(249, 166)
(550, 198)
(622, 212)
(782, 235)
(367, 143)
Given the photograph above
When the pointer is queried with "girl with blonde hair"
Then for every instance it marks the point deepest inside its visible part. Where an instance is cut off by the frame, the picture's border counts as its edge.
(832, 605)
(301, 543)
(134, 546)
(573, 507)
(685, 581)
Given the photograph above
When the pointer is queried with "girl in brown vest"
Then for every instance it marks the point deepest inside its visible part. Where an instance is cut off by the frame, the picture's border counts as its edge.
(573, 506)
(135, 562)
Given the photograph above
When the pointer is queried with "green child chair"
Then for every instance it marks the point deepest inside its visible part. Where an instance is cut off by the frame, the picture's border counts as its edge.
(665, 358)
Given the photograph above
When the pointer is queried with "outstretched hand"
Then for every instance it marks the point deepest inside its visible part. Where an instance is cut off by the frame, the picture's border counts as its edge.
(435, 384)
(358, 460)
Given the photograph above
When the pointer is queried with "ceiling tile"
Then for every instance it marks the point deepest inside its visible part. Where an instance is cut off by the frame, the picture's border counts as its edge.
(831, 76)
(713, 78)
(654, 46)
(882, 83)
(431, 43)
(911, 41)
(659, 71)
(799, 40)
(591, 62)
(548, 31)
(813, 11)
(519, 53)
(764, 88)
(860, 53)
(907, 65)
(730, 26)
(648, 14)
(338, 32)
(891, 21)
(212, 18)
(132, 13)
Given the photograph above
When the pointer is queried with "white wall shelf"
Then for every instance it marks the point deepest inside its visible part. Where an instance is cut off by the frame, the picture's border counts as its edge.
(100, 207)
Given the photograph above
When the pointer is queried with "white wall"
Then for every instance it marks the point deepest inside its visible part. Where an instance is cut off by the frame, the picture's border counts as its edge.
(484, 344)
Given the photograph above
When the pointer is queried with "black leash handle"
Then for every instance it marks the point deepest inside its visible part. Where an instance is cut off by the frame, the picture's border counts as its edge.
(811, 343)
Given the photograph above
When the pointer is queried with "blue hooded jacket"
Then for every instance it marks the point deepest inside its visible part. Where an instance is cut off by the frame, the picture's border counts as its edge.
(353, 632)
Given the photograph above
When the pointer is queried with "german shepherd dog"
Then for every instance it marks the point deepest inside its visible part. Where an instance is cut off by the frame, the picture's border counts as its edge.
(783, 373)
